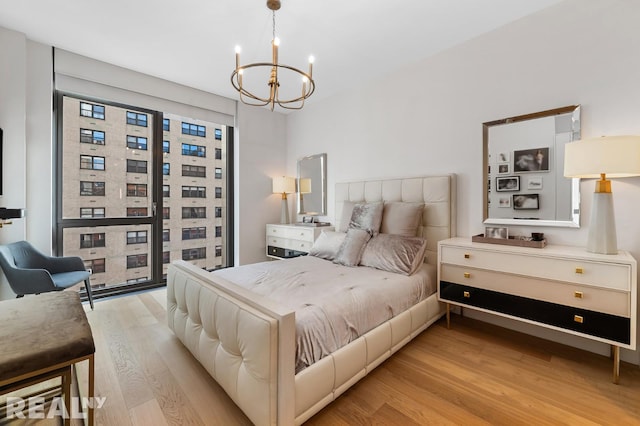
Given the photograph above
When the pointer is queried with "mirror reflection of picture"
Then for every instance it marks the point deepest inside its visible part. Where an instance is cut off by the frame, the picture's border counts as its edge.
(503, 169)
(526, 202)
(496, 232)
(504, 202)
(531, 160)
(534, 183)
(511, 183)
(503, 157)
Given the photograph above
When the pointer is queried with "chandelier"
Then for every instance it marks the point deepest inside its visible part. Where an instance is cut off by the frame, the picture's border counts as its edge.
(249, 97)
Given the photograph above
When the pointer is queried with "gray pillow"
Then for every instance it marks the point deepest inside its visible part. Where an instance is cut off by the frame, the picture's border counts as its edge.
(367, 216)
(351, 249)
(394, 253)
(345, 219)
(327, 245)
(401, 218)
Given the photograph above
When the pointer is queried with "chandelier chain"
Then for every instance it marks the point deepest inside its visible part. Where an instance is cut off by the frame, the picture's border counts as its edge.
(274, 24)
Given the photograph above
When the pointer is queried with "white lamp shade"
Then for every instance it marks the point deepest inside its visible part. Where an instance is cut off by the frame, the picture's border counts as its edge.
(616, 156)
(284, 185)
(305, 186)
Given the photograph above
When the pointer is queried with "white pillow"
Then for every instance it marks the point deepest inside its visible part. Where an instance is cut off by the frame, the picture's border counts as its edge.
(401, 218)
(352, 247)
(367, 216)
(394, 253)
(327, 245)
(345, 219)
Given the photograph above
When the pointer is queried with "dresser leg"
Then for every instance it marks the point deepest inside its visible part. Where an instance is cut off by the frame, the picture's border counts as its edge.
(448, 316)
(616, 363)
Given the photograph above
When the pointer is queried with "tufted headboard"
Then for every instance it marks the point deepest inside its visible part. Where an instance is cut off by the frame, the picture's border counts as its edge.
(438, 193)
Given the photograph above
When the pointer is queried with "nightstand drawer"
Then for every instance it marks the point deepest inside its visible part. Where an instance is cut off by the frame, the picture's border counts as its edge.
(614, 302)
(608, 275)
(287, 243)
(291, 232)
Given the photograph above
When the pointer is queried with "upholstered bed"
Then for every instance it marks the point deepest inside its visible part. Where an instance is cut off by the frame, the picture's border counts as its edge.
(247, 342)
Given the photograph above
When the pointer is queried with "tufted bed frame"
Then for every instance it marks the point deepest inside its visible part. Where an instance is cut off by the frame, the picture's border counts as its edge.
(247, 342)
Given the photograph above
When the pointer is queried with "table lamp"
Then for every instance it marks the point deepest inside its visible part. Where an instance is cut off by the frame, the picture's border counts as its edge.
(284, 185)
(605, 157)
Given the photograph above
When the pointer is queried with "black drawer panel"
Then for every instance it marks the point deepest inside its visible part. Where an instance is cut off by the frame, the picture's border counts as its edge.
(597, 324)
(284, 253)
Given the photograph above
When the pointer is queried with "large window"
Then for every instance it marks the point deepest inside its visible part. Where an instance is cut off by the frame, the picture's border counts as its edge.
(113, 203)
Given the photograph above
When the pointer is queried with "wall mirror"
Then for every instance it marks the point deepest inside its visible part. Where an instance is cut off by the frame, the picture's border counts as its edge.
(523, 169)
(312, 185)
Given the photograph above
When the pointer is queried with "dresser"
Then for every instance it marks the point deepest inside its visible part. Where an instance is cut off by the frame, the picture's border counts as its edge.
(558, 287)
(285, 241)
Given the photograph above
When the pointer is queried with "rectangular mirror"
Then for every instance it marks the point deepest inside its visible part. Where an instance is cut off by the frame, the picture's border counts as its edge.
(312, 185)
(523, 169)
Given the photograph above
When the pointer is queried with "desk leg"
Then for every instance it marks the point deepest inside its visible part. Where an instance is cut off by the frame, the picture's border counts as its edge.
(616, 363)
(91, 389)
(66, 389)
(448, 316)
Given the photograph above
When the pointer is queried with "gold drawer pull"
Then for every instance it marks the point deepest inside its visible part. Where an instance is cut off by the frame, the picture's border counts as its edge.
(466, 294)
(467, 255)
(577, 294)
(467, 275)
(578, 319)
(579, 270)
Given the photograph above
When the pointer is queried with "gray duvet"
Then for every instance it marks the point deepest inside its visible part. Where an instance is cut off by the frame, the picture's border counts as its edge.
(333, 304)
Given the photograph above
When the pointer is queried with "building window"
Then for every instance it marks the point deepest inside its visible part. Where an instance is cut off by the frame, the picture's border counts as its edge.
(194, 212)
(136, 261)
(136, 190)
(136, 211)
(165, 146)
(194, 150)
(92, 240)
(218, 173)
(166, 189)
(166, 235)
(194, 233)
(218, 251)
(166, 257)
(194, 192)
(218, 134)
(194, 253)
(136, 166)
(193, 130)
(166, 213)
(96, 265)
(218, 211)
(218, 231)
(218, 192)
(91, 188)
(89, 212)
(92, 110)
(166, 124)
(137, 118)
(218, 154)
(136, 237)
(91, 162)
(195, 171)
(136, 142)
(166, 169)
(95, 137)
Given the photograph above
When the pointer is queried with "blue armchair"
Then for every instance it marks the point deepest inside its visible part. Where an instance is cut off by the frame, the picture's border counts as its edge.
(31, 272)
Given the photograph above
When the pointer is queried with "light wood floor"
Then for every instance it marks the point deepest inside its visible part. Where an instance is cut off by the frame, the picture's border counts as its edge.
(472, 374)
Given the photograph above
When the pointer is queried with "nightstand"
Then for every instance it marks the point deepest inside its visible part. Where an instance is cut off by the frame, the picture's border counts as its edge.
(558, 287)
(285, 241)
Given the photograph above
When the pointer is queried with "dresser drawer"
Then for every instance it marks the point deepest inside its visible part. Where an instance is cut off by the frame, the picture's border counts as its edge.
(287, 243)
(291, 232)
(601, 274)
(614, 302)
(605, 326)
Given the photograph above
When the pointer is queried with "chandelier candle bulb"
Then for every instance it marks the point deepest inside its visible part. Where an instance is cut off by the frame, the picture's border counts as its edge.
(238, 50)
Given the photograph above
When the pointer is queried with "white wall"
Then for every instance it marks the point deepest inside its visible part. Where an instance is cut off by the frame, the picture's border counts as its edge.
(427, 118)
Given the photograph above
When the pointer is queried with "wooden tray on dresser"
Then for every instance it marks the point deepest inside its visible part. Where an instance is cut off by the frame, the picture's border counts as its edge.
(480, 238)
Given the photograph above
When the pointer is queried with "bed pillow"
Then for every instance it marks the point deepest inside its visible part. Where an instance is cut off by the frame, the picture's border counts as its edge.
(327, 245)
(394, 253)
(401, 218)
(350, 251)
(345, 219)
(367, 216)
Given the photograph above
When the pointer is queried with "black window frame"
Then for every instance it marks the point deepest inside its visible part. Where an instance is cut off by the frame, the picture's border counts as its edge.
(133, 166)
(94, 114)
(136, 237)
(135, 119)
(193, 129)
(94, 240)
(98, 189)
(193, 170)
(192, 191)
(141, 260)
(92, 140)
(193, 150)
(139, 190)
(194, 212)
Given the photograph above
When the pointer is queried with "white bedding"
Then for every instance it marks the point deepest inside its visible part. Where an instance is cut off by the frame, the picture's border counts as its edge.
(333, 304)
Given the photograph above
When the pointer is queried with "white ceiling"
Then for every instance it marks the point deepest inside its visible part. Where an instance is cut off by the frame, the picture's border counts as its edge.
(192, 41)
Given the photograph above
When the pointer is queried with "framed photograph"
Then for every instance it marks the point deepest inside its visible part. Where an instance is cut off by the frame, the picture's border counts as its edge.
(307, 219)
(503, 169)
(504, 202)
(526, 202)
(534, 183)
(496, 232)
(531, 160)
(503, 157)
(510, 183)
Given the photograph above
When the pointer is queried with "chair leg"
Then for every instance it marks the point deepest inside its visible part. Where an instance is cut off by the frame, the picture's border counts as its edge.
(87, 286)
(19, 296)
